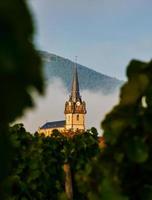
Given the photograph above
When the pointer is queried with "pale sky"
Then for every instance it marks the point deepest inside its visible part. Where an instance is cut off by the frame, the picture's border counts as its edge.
(104, 34)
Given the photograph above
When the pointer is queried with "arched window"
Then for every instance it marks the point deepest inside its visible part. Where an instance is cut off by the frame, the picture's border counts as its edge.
(68, 118)
(77, 117)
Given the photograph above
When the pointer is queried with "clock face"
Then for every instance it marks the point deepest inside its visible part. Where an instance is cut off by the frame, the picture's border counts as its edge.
(78, 103)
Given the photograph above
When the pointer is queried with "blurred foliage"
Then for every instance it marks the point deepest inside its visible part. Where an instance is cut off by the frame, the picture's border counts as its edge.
(37, 163)
(20, 71)
(124, 168)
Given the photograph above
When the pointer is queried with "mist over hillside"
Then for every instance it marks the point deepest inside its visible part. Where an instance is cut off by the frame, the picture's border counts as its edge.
(100, 92)
(51, 106)
(59, 67)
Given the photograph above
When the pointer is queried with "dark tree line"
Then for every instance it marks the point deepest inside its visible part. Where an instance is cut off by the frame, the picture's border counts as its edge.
(36, 168)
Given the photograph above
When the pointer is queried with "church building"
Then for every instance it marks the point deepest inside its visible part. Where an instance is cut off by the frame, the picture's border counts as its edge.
(75, 110)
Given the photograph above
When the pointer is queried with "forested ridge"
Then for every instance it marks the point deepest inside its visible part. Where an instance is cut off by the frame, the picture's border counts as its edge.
(59, 67)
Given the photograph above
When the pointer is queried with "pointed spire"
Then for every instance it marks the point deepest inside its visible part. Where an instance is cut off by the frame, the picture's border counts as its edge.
(75, 94)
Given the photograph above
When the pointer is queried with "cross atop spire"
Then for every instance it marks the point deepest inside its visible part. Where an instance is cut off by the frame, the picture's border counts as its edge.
(75, 94)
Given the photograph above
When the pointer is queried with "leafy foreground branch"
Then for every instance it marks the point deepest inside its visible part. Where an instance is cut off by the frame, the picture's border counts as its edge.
(124, 169)
(20, 72)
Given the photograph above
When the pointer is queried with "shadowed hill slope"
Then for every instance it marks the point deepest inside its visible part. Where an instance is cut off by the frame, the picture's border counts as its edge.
(56, 66)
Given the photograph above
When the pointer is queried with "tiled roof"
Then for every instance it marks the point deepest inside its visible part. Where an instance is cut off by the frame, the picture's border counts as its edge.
(54, 125)
(101, 142)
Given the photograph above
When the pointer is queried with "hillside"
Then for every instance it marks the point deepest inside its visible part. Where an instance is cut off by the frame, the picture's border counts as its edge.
(56, 66)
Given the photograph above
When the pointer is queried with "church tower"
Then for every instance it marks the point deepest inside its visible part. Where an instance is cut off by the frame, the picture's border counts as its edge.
(75, 108)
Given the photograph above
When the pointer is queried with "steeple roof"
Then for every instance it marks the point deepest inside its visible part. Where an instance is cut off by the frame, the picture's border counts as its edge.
(75, 94)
